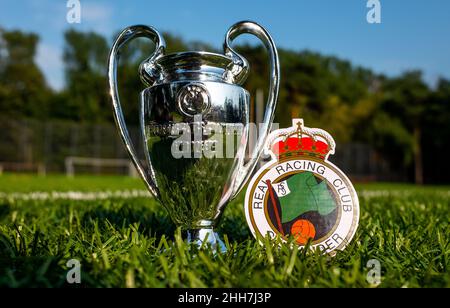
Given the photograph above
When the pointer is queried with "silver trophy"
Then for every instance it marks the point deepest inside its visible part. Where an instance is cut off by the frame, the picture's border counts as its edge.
(192, 94)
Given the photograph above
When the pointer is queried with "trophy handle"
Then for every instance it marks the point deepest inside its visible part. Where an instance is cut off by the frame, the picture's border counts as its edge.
(148, 75)
(240, 70)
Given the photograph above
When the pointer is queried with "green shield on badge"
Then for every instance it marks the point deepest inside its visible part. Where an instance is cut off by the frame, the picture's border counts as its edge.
(307, 195)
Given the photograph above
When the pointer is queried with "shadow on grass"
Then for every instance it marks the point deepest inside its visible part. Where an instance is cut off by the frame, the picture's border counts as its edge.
(153, 220)
(4, 210)
(150, 221)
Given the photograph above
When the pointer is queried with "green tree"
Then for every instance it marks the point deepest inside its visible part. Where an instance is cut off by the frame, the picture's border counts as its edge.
(23, 89)
(401, 117)
(86, 97)
(405, 102)
(436, 134)
(326, 91)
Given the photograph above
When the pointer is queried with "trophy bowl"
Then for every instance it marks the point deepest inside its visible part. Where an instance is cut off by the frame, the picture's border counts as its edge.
(194, 118)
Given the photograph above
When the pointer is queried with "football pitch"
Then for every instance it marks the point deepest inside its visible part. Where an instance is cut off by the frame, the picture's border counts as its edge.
(123, 238)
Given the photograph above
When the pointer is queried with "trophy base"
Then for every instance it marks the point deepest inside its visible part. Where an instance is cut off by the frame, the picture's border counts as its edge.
(206, 237)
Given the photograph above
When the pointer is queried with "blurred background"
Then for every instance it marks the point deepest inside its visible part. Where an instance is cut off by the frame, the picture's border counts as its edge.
(379, 84)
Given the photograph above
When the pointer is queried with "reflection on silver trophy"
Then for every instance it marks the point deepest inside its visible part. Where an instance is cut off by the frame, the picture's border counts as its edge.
(195, 94)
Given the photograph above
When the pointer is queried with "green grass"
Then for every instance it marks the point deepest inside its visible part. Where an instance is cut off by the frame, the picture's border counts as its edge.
(132, 243)
(28, 183)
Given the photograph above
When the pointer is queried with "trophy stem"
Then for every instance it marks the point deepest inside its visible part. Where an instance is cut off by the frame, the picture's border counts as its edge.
(206, 237)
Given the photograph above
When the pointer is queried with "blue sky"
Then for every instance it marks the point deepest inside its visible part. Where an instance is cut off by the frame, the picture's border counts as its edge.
(414, 34)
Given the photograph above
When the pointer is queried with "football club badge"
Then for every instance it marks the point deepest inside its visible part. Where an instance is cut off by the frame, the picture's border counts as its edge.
(299, 193)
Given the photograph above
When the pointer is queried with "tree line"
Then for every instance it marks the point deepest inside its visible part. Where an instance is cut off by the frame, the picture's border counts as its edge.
(402, 117)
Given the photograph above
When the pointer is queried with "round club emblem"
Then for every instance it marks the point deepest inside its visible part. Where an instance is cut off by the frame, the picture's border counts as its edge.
(193, 99)
(300, 194)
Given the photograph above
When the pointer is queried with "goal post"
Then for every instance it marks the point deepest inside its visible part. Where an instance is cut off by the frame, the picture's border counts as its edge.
(72, 161)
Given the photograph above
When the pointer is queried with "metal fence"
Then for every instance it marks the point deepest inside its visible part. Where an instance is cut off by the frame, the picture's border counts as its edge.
(45, 146)
(27, 144)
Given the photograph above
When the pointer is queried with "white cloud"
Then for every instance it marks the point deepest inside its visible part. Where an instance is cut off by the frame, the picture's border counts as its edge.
(49, 59)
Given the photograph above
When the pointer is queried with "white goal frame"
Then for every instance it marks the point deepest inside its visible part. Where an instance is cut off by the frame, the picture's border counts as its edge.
(71, 161)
